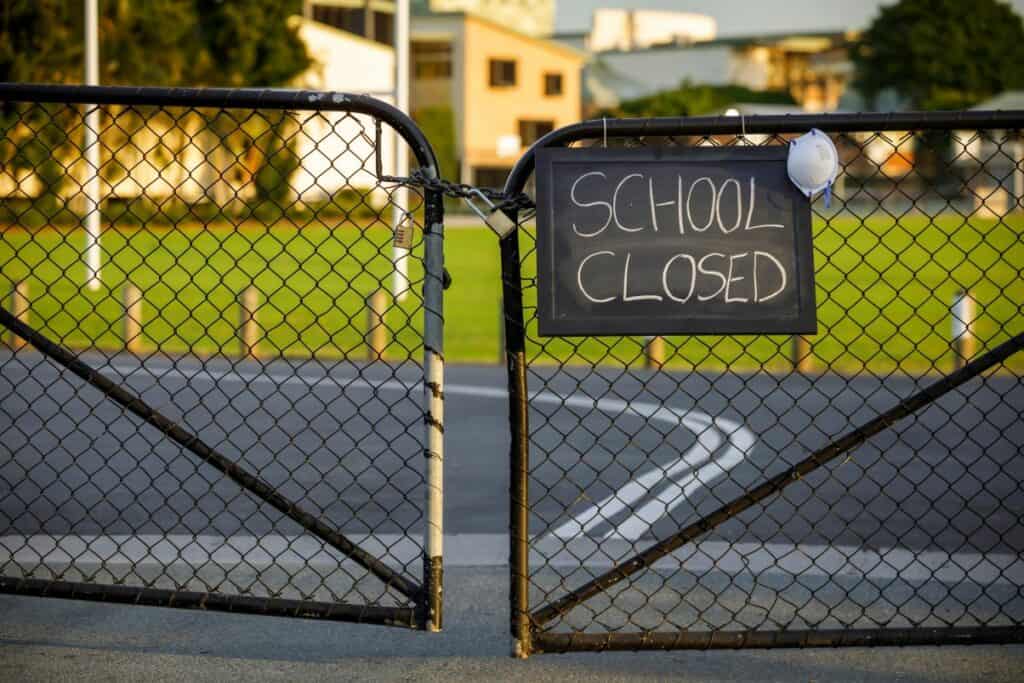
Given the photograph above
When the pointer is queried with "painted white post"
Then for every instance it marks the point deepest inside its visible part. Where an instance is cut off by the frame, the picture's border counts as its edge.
(92, 149)
(400, 255)
(963, 313)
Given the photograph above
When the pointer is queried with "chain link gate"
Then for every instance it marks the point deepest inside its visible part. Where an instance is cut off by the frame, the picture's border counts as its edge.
(863, 486)
(222, 385)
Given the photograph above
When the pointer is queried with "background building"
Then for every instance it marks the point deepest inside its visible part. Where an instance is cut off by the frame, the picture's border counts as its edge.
(505, 89)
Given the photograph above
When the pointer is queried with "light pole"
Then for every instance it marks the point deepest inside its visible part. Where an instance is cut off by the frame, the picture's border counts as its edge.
(92, 149)
(400, 255)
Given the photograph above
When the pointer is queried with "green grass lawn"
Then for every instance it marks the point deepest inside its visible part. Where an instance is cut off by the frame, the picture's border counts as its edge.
(883, 291)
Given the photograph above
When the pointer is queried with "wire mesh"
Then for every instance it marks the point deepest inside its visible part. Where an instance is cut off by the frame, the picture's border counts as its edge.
(906, 537)
(244, 289)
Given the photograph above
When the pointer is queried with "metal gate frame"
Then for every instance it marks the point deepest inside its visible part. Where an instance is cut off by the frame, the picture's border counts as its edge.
(528, 638)
(426, 595)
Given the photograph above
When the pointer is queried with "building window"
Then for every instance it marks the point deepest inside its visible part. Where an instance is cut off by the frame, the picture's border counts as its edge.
(503, 73)
(380, 27)
(485, 176)
(384, 27)
(344, 18)
(552, 84)
(531, 131)
(432, 60)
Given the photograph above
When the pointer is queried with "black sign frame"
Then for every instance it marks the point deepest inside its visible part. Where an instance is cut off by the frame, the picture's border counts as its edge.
(552, 322)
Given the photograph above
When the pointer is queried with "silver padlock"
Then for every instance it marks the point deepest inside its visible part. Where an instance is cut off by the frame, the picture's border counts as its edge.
(495, 220)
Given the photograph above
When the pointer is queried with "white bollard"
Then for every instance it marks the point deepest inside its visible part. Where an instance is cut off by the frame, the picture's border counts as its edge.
(963, 313)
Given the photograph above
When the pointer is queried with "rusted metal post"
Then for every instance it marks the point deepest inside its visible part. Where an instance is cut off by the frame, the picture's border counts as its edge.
(501, 331)
(654, 353)
(19, 308)
(132, 318)
(376, 332)
(963, 313)
(800, 354)
(248, 327)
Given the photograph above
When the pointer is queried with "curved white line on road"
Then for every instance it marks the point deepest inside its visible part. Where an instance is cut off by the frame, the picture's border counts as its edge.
(694, 469)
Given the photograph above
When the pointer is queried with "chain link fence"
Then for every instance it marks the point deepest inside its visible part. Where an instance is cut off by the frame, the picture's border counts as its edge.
(864, 485)
(222, 379)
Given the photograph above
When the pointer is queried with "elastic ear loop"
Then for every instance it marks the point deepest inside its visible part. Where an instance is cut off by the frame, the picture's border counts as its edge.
(604, 122)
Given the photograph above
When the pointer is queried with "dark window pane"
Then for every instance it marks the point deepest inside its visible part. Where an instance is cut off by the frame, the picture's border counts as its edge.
(384, 27)
(490, 177)
(531, 131)
(344, 18)
(503, 72)
(432, 60)
(552, 84)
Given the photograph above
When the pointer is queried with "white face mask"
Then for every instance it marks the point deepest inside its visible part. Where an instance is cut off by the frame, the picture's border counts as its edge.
(813, 163)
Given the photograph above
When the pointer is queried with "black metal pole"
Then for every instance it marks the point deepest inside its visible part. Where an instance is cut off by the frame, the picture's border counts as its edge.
(519, 448)
(838, 447)
(197, 446)
(217, 602)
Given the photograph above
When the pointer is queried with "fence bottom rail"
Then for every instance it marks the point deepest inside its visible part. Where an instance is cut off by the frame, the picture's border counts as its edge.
(736, 640)
(216, 602)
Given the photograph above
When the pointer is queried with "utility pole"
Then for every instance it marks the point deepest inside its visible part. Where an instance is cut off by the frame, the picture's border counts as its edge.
(400, 255)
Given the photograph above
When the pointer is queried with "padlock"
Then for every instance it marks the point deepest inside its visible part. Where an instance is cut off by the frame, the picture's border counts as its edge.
(495, 220)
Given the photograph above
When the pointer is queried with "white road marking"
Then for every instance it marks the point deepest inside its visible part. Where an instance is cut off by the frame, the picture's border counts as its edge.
(738, 557)
(683, 478)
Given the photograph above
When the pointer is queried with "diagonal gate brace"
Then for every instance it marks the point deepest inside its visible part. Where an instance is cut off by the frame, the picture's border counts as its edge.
(207, 454)
(812, 462)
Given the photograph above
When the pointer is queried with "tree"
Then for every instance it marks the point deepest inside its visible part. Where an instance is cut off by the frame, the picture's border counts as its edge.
(159, 42)
(36, 42)
(248, 42)
(693, 100)
(941, 54)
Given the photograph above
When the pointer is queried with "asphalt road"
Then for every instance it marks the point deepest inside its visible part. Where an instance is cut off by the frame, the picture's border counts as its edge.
(618, 460)
(344, 441)
(928, 512)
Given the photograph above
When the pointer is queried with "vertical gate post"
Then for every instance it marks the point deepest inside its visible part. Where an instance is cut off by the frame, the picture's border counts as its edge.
(519, 453)
(132, 318)
(433, 397)
(501, 331)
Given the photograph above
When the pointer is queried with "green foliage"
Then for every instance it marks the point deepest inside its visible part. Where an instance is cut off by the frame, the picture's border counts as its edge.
(40, 41)
(691, 99)
(941, 54)
(438, 124)
(158, 42)
(248, 42)
(274, 175)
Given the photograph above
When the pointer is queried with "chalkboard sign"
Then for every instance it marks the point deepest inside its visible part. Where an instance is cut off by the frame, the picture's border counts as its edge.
(698, 240)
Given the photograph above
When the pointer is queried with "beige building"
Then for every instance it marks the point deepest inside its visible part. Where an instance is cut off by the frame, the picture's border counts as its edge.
(505, 89)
